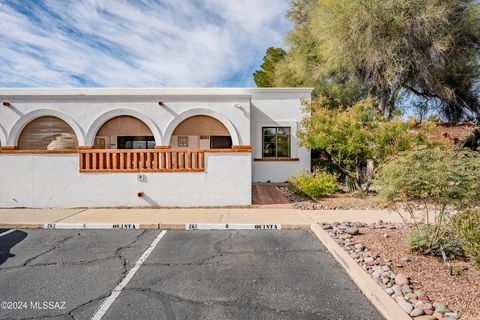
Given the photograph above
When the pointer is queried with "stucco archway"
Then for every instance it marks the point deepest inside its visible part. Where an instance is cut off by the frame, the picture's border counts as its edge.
(102, 119)
(3, 137)
(18, 127)
(201, 112)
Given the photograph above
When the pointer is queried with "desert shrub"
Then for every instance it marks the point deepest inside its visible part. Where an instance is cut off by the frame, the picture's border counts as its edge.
(315, 184)
(430, 185)
(424, 241)
(467, 227)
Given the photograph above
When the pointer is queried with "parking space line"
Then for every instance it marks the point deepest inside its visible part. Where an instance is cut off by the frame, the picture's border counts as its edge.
(7, 232)
(118, 289)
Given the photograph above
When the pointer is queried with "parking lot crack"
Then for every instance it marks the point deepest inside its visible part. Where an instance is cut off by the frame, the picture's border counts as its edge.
(118, 251)
(226, 303)
(205, 261)
(61, 243)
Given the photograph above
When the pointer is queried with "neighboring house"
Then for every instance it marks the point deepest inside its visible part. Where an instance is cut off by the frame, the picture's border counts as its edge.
(462, 134)
(146, 147)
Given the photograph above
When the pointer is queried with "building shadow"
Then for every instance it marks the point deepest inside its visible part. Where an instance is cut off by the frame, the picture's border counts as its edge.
(7, 242)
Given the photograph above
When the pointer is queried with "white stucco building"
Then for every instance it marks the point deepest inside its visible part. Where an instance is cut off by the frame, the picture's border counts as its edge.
(146, 147)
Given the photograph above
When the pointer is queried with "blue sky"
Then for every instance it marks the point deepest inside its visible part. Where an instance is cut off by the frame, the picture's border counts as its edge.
(137, 43)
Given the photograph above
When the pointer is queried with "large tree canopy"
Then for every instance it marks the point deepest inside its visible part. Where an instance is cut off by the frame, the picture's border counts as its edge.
(393, 50)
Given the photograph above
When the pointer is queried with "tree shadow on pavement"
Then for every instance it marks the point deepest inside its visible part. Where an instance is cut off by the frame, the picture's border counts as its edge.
(7, 242)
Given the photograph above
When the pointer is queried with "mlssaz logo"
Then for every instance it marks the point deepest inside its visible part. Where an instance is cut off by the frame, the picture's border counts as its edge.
(266, 226)
(124, 226)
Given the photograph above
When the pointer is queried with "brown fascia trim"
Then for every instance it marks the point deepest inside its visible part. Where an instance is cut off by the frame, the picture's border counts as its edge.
(276, 159)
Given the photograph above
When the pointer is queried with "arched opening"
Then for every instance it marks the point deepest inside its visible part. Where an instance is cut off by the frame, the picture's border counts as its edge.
(124, 132)
(47, 133)
(201, 132)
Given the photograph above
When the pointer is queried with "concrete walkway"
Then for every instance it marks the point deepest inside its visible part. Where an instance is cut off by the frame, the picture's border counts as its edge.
(177, 218)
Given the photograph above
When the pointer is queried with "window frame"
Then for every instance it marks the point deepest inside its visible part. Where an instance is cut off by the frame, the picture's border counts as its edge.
(276, 135)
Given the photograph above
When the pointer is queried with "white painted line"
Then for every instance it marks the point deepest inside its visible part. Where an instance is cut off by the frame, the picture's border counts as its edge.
(118, 289)
(7, 232)
(70, 226)
(230, 226)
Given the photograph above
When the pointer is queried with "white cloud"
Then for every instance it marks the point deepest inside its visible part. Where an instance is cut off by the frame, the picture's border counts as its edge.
(137, 43)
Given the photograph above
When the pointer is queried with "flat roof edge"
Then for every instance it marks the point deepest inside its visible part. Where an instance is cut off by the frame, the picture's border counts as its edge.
(150, 91)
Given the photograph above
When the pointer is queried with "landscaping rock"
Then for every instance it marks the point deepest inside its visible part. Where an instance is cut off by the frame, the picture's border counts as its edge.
(401, 279)
(406, 306)
(398, 286)
(417, 312)
(352, 231)
(359, 246)
(427, 306)
(406, 290)
(410, 296)
(440, 307)
(377, 274)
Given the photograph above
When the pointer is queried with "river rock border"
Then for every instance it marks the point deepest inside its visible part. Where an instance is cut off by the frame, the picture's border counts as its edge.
(414, 302)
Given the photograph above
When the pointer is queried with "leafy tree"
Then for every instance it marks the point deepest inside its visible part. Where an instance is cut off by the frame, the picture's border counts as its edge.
(352, 137)
(265, 76)
(304, 67)
(388, 49)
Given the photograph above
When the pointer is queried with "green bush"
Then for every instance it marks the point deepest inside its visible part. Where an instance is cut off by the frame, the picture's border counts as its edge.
(467, 227)
(316, 184)
(424, 241)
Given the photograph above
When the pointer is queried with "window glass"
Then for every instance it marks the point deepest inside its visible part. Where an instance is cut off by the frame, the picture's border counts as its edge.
(135, 142)
(276, 142)
(150, 144)
(269, 131)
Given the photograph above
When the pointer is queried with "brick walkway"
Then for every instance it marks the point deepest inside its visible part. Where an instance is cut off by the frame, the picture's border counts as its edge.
(268, 196)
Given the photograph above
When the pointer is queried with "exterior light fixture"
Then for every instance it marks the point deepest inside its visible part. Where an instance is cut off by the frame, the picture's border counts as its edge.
(161, 103)
(238, 106)
(7, 104)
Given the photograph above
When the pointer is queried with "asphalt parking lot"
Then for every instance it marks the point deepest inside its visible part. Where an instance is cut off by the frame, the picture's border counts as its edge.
(69, 274)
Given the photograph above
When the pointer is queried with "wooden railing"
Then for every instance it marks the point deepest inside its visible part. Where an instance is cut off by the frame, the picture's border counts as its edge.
(144, 160)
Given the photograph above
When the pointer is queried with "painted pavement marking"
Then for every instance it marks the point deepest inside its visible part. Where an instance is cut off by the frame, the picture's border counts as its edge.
(7, 232)
(118, 289)
(231, 226)
(73, 226)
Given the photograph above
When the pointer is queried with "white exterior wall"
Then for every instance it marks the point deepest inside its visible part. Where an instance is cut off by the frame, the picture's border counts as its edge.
(54, 181)
(278, 110)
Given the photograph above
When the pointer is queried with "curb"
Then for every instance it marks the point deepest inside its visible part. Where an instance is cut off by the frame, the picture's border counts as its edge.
(21, 225)
(387, 307)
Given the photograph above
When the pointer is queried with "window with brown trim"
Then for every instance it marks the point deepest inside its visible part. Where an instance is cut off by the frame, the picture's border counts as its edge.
(276, 142)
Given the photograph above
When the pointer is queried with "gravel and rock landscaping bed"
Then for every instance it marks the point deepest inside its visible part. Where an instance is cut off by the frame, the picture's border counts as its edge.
(421, 285)
(337, 201)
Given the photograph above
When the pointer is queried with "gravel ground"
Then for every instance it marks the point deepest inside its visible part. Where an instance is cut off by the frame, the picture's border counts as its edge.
(461, 293)
(339, 201)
